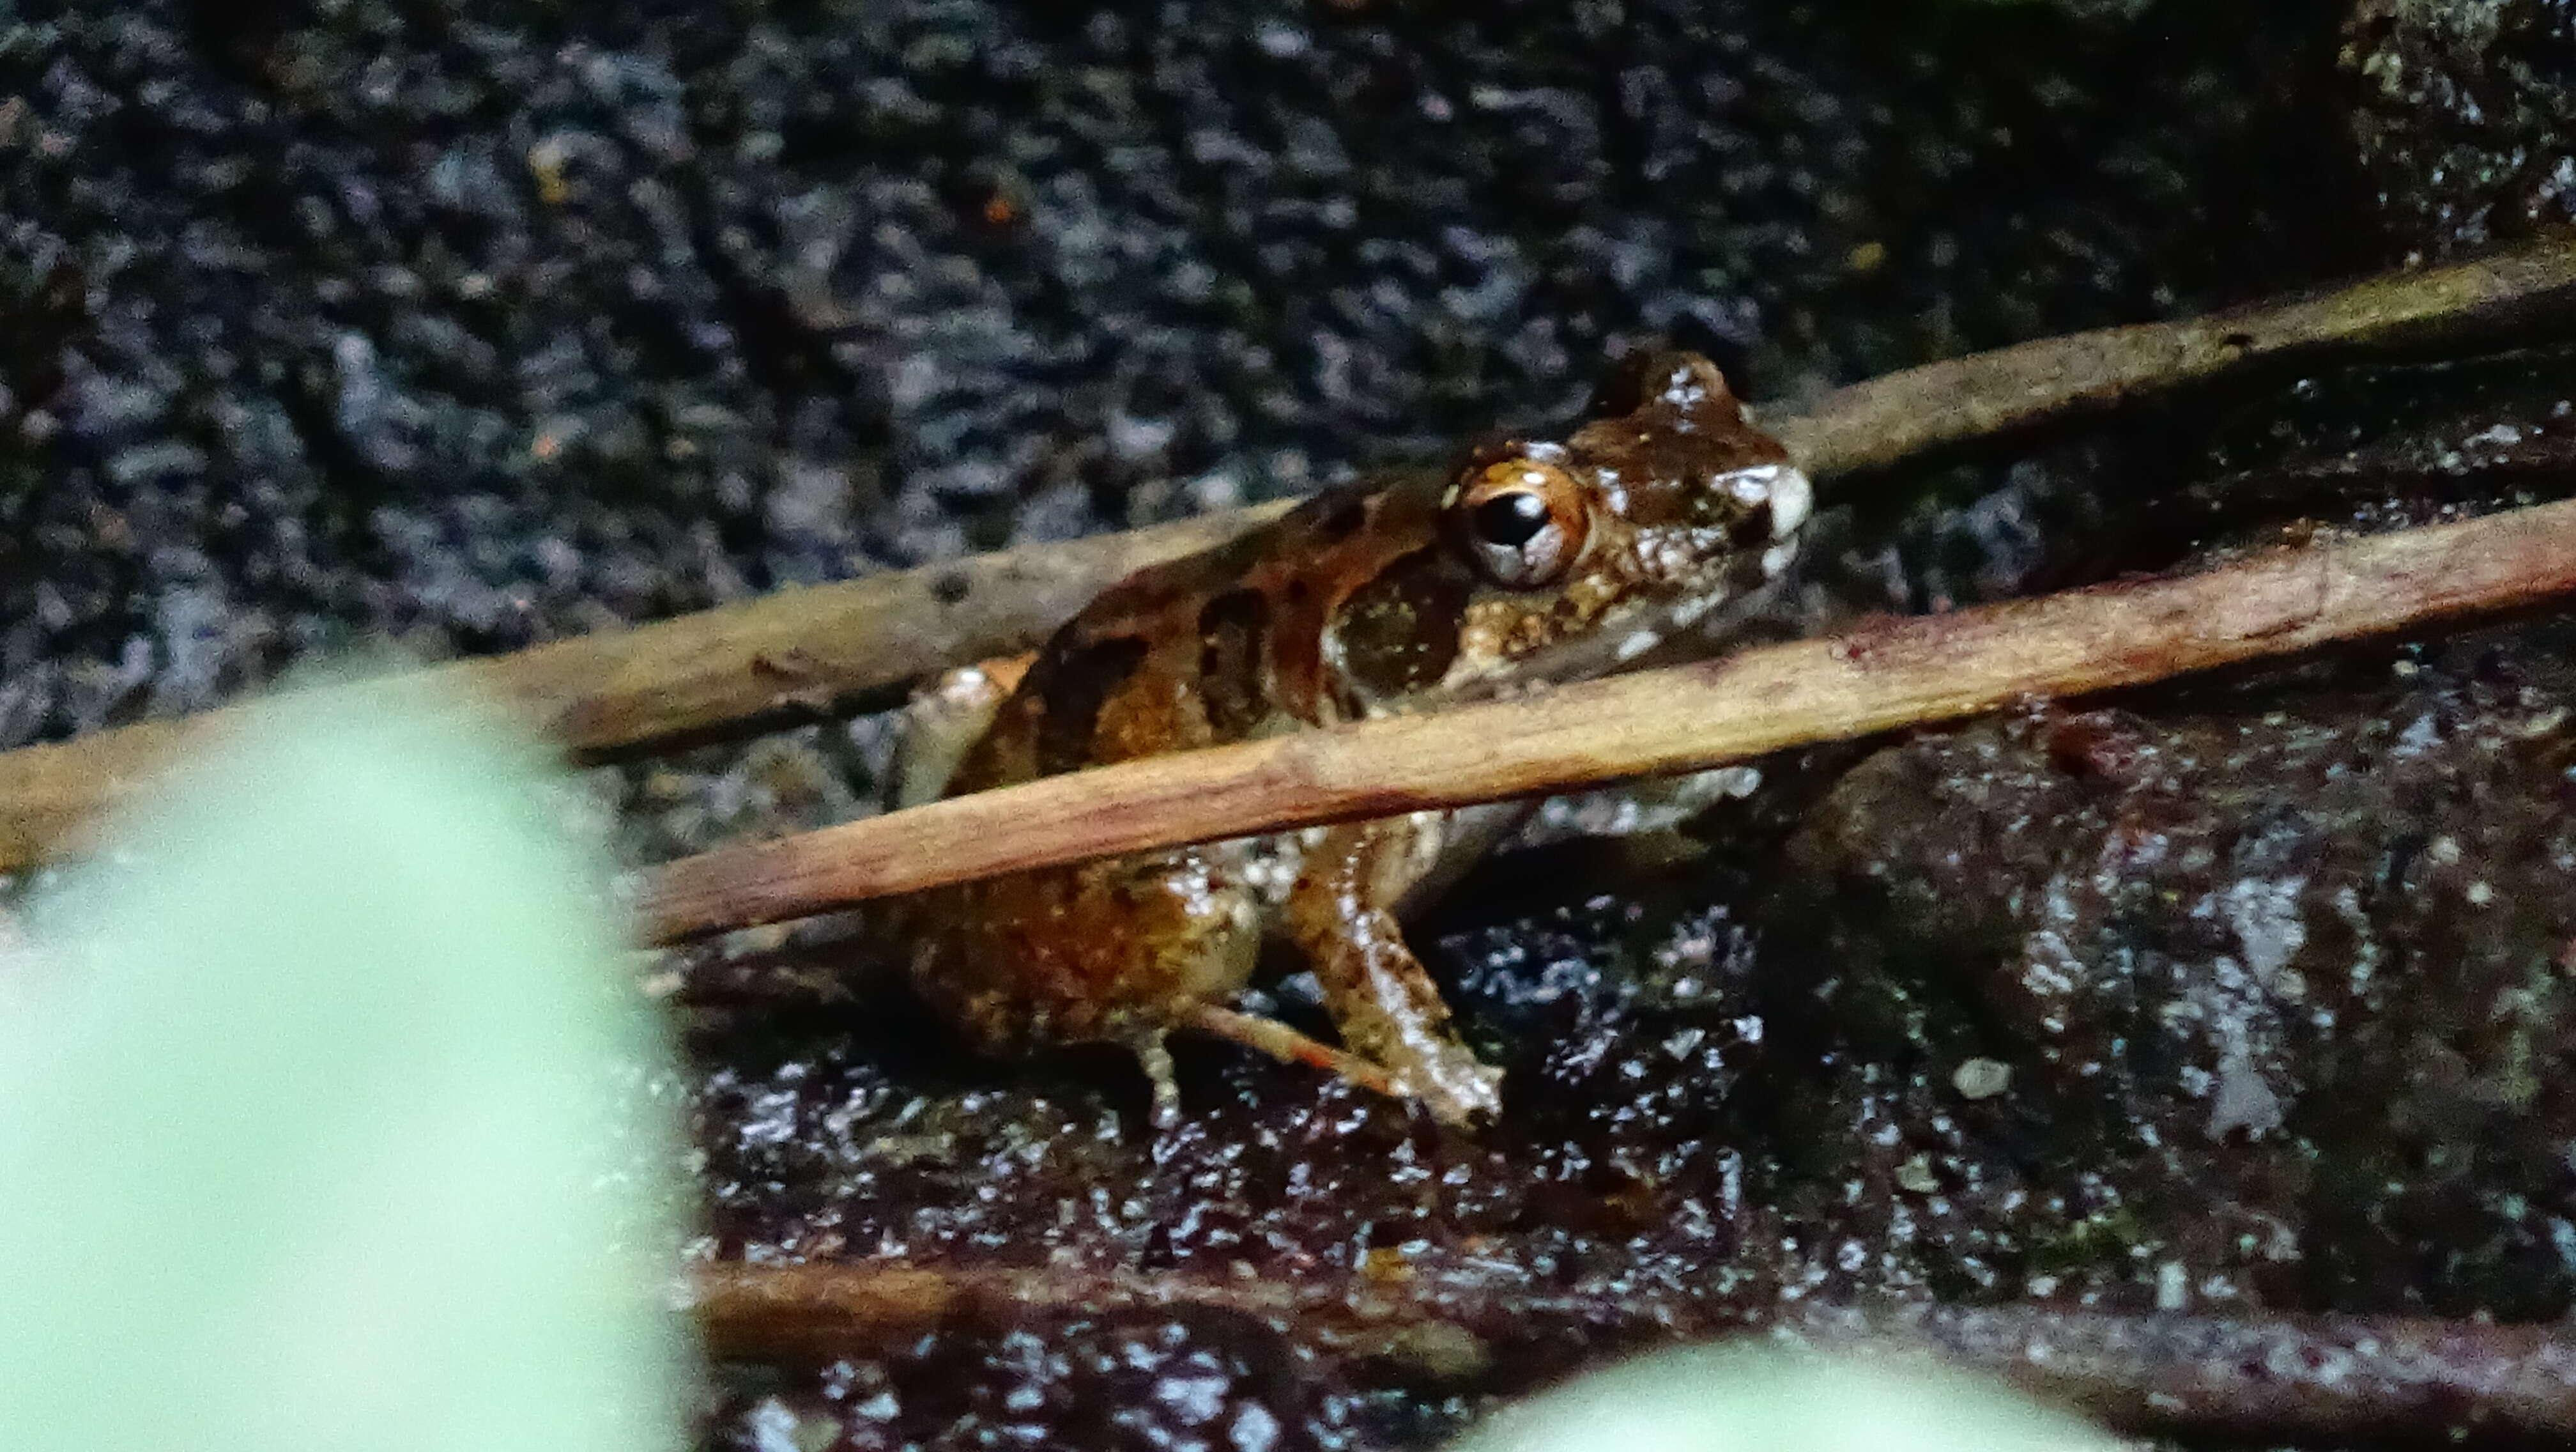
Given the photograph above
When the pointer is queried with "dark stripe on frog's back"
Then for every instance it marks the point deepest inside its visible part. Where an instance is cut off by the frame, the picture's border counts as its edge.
(1079, 685)
(1203, 650)
(1236, 686)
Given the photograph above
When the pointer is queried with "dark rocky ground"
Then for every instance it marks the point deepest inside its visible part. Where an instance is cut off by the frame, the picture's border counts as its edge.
(471, 326)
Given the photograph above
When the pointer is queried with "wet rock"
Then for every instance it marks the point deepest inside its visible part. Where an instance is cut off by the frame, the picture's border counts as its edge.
(1115, 1380)
(2277, 975)
(2463, 117)
(2378, 447)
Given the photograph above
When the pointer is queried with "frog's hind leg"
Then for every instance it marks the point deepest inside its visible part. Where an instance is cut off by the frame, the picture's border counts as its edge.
(1110, 952)
(1342, 915)
(1288, 1046)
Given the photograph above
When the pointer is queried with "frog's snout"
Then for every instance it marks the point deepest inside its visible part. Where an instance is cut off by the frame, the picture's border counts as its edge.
(1781, 492)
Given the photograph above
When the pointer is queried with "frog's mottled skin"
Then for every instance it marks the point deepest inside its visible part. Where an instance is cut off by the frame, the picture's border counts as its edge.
(1357, 604)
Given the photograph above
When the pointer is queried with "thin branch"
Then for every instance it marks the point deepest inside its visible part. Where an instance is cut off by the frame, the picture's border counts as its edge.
(829, 648)
(1891, 419)
(2303, 1379)
(1889, 674)
(799, 653)
(2295, 1378)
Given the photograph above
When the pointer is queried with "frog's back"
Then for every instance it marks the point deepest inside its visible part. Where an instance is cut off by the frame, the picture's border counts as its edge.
(1220, 646)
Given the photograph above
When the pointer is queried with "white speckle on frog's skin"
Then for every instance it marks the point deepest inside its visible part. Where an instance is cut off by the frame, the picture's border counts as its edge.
(1752, 486)
(1792, 499)
(1636, 645)
(1777, 558)
(1683, 391)
(1689, 612)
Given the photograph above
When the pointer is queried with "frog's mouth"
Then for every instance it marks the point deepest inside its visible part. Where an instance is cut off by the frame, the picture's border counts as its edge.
(1646, 634)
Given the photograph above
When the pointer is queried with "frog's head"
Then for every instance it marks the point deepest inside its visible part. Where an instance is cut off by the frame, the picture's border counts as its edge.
(1554, 559)
(1588, 551)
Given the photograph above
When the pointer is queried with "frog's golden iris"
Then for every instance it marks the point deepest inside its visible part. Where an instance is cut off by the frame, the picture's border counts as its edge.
(1521, 522)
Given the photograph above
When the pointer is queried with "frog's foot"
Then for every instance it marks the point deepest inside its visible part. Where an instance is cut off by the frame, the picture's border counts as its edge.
(944, 719)
(1428, 1063)
(1436, 1069)
(1288, 1046)
(1389, 1011)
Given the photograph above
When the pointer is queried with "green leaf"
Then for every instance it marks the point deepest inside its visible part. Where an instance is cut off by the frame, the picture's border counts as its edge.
(1751, 1397)
(321, 1115)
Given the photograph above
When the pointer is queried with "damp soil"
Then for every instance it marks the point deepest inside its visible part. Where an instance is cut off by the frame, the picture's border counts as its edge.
(467, 326)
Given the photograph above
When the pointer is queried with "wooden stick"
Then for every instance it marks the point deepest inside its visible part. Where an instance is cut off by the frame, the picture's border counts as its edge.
(2250, 1376)
(2309, 1380)
(829, 648)
(1891, 419)
(800, 653)
(1897, 673)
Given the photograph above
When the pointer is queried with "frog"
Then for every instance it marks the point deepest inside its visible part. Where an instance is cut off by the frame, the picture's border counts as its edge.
(1528, 559)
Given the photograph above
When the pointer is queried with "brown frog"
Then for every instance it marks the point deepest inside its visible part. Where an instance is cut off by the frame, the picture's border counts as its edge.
(1528, 560)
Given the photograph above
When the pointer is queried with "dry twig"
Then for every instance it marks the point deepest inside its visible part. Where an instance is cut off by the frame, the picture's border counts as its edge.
(1891, 419)
(831, 647)
(797, 653)
(2303, 1379)
(1886, 675)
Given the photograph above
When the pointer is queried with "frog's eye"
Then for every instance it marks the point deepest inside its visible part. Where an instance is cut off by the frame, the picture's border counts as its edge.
(1520, 521)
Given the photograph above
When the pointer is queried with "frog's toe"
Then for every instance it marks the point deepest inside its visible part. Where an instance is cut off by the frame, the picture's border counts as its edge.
(1458, 1088)
(1156, 1060)
(1288, 1046)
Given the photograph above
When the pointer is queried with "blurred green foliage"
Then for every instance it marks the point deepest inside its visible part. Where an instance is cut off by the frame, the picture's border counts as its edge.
(1752, 1397)
(321, 1116)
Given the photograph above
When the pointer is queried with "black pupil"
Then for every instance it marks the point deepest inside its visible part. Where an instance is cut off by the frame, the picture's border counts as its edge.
(1511, 520)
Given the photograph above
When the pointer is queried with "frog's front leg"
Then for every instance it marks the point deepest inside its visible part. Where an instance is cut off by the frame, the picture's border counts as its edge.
(942, 721)
(1341, 914)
